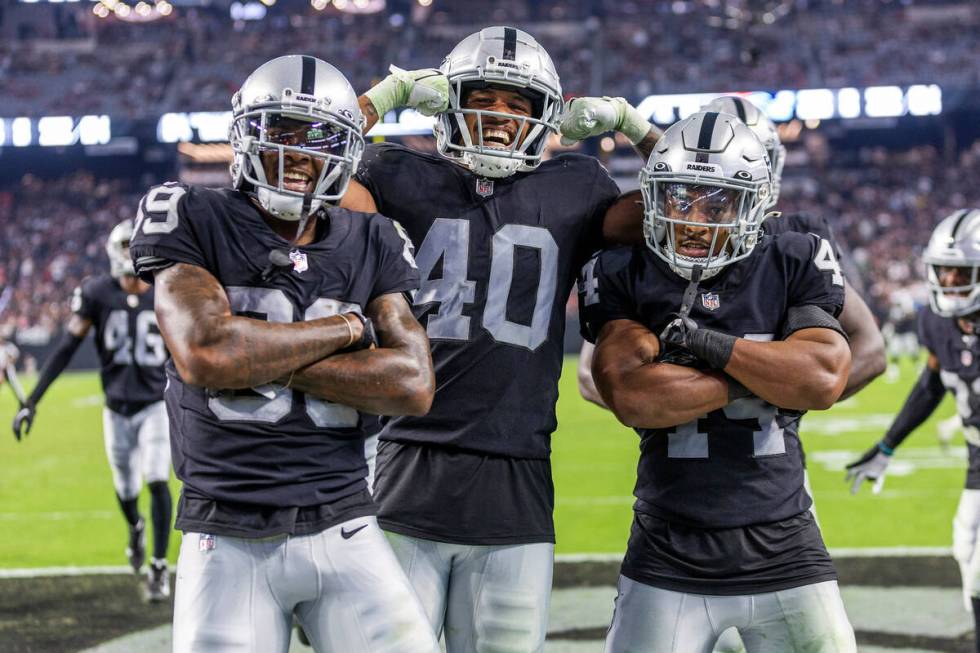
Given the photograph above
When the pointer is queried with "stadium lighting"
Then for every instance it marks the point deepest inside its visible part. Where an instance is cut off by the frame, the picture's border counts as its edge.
(340, 4)
(425, 3)
(164, 8)
(815, 104)
(925, 100)
(883, 101)
(122, 9)
(319, 5)
(849, 103)
(268, 3)
(20, 132)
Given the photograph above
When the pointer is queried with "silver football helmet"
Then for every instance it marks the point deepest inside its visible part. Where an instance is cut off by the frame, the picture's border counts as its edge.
(512, 59)
(764, 129)
(117, 247)
(955, 242)
(707, 183)
(302, 105)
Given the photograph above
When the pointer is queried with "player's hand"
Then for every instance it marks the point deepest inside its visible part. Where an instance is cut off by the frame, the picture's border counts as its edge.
(871, 467)
(425, 90)
(712, 347)
(590, 116)
(23, 421)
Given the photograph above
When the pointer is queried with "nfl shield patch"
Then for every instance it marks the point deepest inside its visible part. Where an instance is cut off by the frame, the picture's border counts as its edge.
(484, 187)
(710, 301)
(298, 258)
(966, 357)
(205, 543)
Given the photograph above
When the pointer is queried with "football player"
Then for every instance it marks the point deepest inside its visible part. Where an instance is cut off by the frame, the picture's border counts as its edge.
(132, 354)
(285, 316)
(948, 329)
(868, 359)
(465, 492)
(710, 341)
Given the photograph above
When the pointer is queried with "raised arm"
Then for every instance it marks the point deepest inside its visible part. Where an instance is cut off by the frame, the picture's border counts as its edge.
(867, 345)
(643, 393)
(425, 90)
(211, 347)
(396, 378)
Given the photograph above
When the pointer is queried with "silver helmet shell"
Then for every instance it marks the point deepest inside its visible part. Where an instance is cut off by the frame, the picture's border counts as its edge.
(302, 88)
(764, 129)
(715, 150)
(509, 58)
(955, 242)
(117, 247)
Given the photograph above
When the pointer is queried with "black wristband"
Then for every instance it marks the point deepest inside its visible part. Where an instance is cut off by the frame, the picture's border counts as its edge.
(368, 335)
(713, 347)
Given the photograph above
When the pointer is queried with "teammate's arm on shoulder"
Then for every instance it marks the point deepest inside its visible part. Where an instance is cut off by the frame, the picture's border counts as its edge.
(623, 222)
(213, 348)
(358, 198)
(394, 378)
(868, 359)
(586, 384)
(806, 371)
(644, 393)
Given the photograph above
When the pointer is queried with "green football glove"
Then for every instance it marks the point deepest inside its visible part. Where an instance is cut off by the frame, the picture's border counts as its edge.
(590, 116)
(425, 90)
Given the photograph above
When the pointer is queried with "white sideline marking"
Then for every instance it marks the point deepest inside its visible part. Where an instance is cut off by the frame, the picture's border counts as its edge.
(43, 572)
(870, 552)
(57, 516)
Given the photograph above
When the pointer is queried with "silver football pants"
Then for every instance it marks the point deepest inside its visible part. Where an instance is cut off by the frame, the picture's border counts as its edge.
(484, 599)
(344, 586)
(138, 447)
(807, 619)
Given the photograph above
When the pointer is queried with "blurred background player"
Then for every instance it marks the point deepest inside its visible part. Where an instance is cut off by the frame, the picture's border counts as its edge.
(132, 354)
(717, 396)
(286, 316)
(499, 233)
(949, 330)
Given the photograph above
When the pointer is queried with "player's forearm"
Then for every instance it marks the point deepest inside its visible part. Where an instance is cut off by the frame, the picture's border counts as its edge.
(868, 359)
(238, 352)
(645, 146)
(926, 395)
(661, 395)
(379, 381)
(55, 365)
(796, 374)
(371, 116)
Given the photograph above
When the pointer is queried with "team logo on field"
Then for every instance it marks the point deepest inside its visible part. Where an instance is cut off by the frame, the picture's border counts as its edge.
(484, 187)
(710, 301)
(205, 543)
(966, 357)
(300, 264)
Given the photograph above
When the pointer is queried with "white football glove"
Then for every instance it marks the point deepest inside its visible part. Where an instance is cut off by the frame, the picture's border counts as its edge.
(871, 466)
(590, 116)
(425, 90)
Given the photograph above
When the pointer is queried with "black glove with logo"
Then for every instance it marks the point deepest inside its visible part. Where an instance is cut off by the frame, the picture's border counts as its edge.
(713, 348)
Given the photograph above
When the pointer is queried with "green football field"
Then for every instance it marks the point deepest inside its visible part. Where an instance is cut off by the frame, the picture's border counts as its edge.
(57, 506)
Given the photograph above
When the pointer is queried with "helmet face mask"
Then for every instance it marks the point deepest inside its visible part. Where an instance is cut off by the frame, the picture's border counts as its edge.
(507, 59)
(117, 248)
(275, 128)
(953, 256)
(705, 189)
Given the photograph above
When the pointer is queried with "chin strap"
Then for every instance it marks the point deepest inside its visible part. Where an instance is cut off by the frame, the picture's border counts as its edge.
(691, 292)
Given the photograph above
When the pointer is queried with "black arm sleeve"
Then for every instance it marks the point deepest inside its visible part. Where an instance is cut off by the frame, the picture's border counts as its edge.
(923, 399)
(55, 365)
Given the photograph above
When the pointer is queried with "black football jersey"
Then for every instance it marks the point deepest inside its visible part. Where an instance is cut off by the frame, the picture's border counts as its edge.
(131, 350)
(269, 446)
(739, 465)
(497, 259)
(959, 370)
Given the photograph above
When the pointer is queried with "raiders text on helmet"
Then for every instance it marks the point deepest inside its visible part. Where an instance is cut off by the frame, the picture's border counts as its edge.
(710, 151)
(304, 89)
(508, 58)
(955, 242)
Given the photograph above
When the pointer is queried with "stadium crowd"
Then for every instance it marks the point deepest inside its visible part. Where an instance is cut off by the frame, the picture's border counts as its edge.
(882, 205)
(82, 64)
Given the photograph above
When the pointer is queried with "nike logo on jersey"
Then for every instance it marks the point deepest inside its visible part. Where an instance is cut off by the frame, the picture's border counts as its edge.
(346, 534)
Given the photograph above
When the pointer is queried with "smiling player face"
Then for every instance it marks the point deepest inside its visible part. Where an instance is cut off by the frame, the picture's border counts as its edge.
(498, 132)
